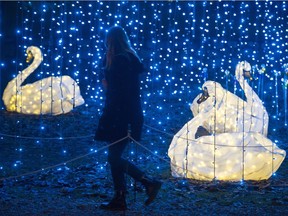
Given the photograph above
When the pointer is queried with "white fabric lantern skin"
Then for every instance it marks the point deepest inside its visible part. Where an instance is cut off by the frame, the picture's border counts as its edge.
(52, 95)
(239, 150)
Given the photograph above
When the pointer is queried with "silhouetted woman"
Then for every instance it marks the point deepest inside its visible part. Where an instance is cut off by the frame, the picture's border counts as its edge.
(122, 113)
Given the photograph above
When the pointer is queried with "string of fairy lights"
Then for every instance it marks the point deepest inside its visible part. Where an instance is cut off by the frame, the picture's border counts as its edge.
(182, 44)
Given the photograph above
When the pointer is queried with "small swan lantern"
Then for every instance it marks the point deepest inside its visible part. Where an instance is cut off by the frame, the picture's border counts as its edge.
(52, 95)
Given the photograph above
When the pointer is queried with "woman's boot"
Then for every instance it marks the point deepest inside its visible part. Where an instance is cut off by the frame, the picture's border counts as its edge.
(152, 188)
(118, 203)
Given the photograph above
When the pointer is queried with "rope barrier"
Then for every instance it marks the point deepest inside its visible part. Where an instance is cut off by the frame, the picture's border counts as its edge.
(144, 147)
(96, 151)
(85, 155)
(91, 135)
(102, 148)
(66, 162)
(159, 130)
(45, 138)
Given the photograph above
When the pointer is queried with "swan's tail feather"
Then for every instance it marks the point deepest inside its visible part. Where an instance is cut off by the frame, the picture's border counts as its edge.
(71, 90)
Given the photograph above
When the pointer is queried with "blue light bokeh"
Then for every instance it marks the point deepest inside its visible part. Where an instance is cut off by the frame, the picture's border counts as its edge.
(181, 43)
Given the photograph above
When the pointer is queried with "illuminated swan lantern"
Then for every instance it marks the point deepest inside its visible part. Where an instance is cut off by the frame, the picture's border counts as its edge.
(239, 150)
(51, 95)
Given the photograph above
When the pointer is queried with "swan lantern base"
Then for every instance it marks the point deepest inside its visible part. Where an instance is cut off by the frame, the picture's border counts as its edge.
(52, 95)
(234, 157)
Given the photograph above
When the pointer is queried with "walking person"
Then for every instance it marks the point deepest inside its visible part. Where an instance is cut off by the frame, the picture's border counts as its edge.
(122, 113)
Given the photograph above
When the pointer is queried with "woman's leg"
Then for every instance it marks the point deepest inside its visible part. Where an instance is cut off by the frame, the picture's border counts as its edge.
(120, 166)
(114, 158)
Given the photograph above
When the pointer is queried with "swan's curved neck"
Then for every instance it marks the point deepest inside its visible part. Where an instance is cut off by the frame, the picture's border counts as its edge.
(22, 76)
(14, 86)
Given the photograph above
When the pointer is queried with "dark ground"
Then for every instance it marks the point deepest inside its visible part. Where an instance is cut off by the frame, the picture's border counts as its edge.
(79, 185)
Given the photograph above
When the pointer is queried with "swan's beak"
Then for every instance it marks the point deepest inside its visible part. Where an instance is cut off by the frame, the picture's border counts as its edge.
(29, 56)
(204, 96)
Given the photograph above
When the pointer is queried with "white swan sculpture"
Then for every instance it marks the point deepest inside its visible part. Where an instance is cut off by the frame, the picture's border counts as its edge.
(51, 95)
(232, 113)
(239, 150)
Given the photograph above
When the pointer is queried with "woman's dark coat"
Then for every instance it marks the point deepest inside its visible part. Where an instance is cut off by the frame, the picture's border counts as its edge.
(122, 110)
